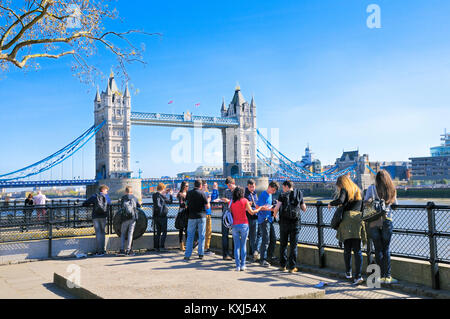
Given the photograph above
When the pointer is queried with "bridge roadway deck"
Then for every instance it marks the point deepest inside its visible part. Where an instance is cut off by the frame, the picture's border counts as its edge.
(166, 276)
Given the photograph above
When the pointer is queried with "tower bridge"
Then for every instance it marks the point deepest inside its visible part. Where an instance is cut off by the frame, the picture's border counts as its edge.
(113, 119)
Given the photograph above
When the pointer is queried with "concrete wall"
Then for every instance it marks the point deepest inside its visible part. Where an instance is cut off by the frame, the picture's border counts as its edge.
(409, 270)
(67, 247)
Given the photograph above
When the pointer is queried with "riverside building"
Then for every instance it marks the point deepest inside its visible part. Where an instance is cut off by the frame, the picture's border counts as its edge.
(435, 167)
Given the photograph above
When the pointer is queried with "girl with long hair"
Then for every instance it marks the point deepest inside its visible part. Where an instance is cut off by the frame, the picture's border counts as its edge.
(380, 231)
(351, 230)
(181, 196)
(239, 206)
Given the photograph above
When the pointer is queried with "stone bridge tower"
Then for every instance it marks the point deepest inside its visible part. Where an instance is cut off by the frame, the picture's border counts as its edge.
(239, 144)
(112, 142)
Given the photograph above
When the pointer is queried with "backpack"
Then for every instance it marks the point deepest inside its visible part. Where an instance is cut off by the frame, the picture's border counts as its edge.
(228, 217)
(129, 209)
(291, 210)
(101, 205)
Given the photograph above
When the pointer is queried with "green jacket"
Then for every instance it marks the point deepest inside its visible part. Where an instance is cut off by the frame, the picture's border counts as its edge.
(352, 227)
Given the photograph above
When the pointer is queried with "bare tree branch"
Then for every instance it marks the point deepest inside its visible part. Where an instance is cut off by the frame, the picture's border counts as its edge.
(52, 29)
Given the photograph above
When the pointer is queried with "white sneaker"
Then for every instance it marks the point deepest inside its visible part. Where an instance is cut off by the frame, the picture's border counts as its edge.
(244, 268)
(348, 275)
(358, 281)
(238, 269)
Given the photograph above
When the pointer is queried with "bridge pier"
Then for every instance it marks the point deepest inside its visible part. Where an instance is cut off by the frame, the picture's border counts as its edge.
(261, 183)
(116, 187)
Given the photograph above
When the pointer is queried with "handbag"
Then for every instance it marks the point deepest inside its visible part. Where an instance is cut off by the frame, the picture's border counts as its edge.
(374, 209)
(180, 220)
(337, 217)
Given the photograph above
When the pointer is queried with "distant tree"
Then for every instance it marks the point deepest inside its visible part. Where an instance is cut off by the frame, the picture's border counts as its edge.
(31, 30)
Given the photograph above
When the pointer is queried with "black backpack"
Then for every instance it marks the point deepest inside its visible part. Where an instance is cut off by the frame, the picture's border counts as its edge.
(101, 205)
(129, 209)
(291, 208)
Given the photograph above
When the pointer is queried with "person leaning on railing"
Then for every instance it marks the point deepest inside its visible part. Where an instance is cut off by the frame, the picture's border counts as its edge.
(100, 201)
(380, 231)
(351, 229)
(27, 212)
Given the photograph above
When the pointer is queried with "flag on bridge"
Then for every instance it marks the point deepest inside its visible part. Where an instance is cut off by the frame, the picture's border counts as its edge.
(197, 105)
(170, 102)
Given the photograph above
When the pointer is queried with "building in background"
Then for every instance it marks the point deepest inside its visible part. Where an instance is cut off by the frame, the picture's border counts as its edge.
(203, 171)
(309, 162)
(435, 167)
(398, 170)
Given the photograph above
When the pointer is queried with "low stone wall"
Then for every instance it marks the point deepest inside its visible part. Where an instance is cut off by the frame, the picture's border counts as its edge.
(404, 269)
(68, 247)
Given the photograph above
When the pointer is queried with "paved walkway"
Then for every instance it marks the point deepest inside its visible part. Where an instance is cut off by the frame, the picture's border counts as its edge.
(166, 275)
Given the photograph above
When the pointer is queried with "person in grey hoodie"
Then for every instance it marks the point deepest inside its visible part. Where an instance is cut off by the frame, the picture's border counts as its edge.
(127, 227)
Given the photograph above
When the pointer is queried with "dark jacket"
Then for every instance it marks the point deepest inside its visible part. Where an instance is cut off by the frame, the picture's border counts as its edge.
(351, 226)
(92, 201)
(294, 196)
(355, 205)
(196, 201)
(252, 198)
(160, 202)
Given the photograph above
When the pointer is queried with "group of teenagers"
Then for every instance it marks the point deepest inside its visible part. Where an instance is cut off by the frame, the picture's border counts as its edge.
(251, 218)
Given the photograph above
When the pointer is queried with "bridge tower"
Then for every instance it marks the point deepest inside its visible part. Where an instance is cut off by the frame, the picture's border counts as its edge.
(239, 144)
(112, 142)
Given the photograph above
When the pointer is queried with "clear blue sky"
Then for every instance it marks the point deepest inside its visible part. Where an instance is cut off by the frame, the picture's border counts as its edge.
(317, 72)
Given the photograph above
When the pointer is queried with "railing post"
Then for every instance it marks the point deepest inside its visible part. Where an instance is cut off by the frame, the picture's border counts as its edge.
(50, 232)
(320, 241)
(369, 245)
(433, 246)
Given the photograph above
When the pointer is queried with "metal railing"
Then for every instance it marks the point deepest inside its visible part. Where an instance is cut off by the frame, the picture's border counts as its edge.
(421, 232)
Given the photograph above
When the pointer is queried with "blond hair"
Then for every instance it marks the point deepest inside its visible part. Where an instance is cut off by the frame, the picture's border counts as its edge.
(353, 191)
(160, 187)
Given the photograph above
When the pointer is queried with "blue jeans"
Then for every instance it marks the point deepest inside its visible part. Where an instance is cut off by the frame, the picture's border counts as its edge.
(268, 240)
(198, 224)
(381, 238)
(99, 226)
(355, 245)
(254, 236)
(289, 232)
(240, 233)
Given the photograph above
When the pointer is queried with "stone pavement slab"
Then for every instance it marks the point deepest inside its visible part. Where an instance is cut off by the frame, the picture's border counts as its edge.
(168, 276)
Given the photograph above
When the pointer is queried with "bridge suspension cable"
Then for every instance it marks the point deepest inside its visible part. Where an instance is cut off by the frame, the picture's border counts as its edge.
(54, 159)
(285, 167)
